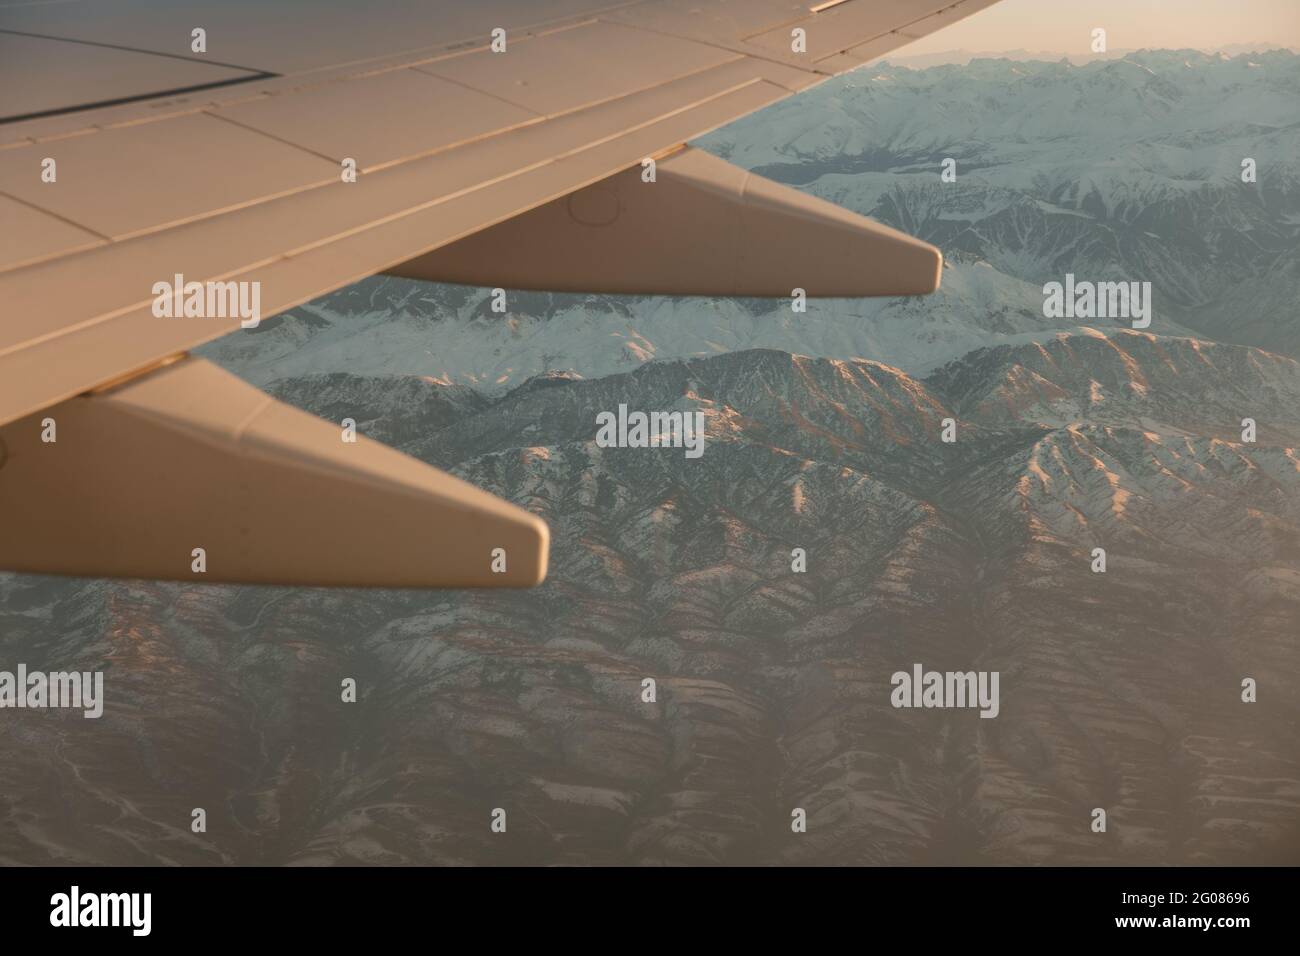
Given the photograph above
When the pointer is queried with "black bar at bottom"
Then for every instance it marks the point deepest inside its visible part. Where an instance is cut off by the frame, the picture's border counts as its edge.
(331, 906)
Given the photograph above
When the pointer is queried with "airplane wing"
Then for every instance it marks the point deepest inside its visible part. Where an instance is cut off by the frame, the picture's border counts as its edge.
(173, 169)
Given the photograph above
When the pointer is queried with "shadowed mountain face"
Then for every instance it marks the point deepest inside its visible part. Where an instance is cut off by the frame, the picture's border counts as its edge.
(1119, 690)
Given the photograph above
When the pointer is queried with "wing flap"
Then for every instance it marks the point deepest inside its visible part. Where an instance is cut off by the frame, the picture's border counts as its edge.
(30, 235)
(380, 119)
(207, 166)
(627, 60)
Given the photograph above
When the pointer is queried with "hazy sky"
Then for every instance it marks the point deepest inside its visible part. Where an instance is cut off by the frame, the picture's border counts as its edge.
(1065, 26)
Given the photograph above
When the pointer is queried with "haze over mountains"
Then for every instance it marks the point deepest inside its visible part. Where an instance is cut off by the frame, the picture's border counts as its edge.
(1119, 690)
(962, 56)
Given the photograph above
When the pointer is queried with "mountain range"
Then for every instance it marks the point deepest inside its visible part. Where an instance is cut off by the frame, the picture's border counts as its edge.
(1120, 689)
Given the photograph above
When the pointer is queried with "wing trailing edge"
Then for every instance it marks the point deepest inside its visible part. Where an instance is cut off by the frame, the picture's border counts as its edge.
(188, 473)
(702, 227)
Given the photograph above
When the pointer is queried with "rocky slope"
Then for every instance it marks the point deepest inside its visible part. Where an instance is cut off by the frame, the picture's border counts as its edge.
(1118, 690)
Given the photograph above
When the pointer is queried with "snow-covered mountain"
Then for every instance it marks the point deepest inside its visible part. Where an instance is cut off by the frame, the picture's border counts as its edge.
(1118, 169)
(449, 333)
